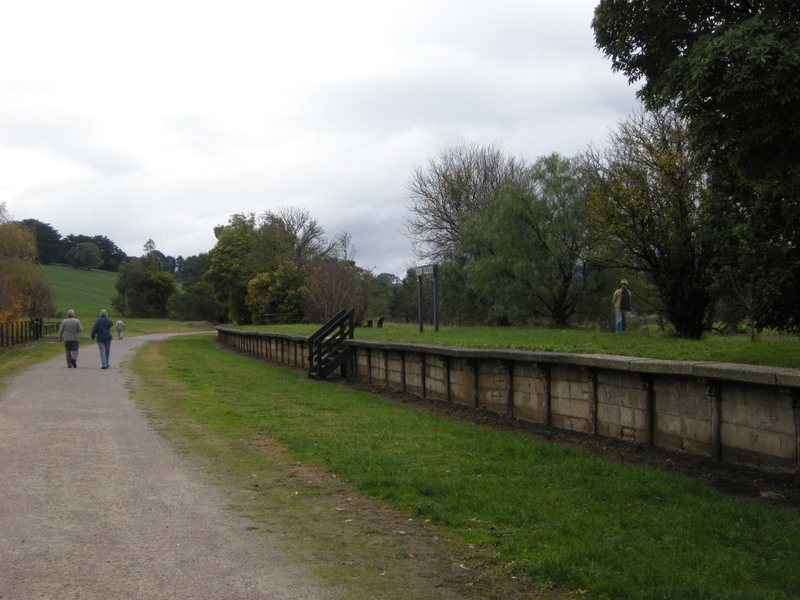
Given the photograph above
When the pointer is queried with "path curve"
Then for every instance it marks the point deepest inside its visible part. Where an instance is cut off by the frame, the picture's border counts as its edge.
(94, 504)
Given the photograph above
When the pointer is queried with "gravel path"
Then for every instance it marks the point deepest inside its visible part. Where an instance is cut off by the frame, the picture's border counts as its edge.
(94, 504)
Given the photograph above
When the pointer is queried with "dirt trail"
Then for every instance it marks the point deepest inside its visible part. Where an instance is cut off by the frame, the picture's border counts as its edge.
(94, 504)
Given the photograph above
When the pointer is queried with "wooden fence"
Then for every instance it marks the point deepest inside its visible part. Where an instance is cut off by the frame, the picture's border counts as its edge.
(23, 332)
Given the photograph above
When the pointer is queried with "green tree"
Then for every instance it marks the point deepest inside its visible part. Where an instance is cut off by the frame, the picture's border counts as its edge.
(455, 183)
(71, 241)
(255, 264)
(647, 207)
(112, 255)
(142, 292)
(757, 256)
(278, 295)
(730, 67)
(196, 302)
(48, 239)
(530, 251)
(85, 255)
(195, 267)
(231, 267)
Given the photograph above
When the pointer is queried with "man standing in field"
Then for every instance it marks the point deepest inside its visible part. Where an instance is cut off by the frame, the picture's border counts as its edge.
(120, 327)
(622, 304)
(69, 331)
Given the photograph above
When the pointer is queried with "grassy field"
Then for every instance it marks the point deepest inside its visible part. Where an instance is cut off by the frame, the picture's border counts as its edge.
(554, 517)
(767, 349)
(81, 290)
(87, 292)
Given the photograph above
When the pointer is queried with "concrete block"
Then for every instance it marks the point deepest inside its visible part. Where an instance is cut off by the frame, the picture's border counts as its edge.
(737, 372)
(788, 378)
(570, 423)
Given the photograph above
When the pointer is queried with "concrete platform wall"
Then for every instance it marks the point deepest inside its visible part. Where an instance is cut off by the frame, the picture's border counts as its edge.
(739, 414)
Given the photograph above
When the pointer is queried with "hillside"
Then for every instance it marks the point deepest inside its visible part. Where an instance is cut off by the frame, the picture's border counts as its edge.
(84, 291)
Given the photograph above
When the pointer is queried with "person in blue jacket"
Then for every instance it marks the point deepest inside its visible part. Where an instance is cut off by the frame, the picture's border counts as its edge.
(102, 331)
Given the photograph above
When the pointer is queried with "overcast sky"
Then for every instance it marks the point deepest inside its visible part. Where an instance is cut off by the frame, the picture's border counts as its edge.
(161, 119)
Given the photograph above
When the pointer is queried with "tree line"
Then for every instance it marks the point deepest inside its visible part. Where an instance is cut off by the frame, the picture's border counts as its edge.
(694, 197)
(277, 267)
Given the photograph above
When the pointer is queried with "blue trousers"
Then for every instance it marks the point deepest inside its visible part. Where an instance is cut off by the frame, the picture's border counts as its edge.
(622, 321)
(105, 352)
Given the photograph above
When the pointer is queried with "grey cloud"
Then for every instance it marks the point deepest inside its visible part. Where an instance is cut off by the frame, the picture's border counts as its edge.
(481, 100)
(196, 133)
(63, 136)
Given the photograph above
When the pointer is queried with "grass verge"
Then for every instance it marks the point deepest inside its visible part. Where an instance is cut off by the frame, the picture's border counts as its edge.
(557, 517)
(365, 549)
(774, 349)
(134, 327)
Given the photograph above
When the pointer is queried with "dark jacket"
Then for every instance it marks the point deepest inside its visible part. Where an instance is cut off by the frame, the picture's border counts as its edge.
(102, 329)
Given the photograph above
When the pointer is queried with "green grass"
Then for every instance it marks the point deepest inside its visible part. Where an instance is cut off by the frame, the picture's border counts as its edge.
(556, 516)
(84, 291)
(767, 349)
(87, 292)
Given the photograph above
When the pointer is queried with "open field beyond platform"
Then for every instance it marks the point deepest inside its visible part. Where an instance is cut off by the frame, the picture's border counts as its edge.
(773, 349)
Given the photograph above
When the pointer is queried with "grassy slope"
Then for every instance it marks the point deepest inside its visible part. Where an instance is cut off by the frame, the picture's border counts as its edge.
(86, 292)
(81, 290)
(771, 350)
(556, 516)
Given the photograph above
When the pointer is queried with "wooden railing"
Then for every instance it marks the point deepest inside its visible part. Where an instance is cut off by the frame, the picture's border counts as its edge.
(23, 332)
(326, 348)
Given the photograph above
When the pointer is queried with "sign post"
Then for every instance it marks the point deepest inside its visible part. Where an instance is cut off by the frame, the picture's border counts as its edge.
(420, 272)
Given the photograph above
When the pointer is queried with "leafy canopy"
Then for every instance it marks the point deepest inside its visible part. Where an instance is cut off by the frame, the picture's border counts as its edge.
(729, 66)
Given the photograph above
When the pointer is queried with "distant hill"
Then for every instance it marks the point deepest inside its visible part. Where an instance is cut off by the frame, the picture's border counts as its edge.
(84, 291)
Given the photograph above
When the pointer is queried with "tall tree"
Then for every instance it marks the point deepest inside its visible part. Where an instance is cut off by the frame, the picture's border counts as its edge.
(196, 302)
(646, 207)
(71, 241)
(451, 185)
(112, 255)
(195, 267)
(530, 252)
(729, 66)
(757, 262)
(85, 255)
(23, 291)
(48, 247)
(231, 267)
(259, 268)
(142, 291)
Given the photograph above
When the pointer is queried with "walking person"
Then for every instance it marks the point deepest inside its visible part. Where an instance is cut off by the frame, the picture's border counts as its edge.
(622, 304)
(120, 327)
(70, 333)
(102, 331)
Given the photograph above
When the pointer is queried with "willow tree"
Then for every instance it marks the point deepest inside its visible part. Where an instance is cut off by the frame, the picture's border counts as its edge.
(646, 209)
(529, 253)
(450, 186)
